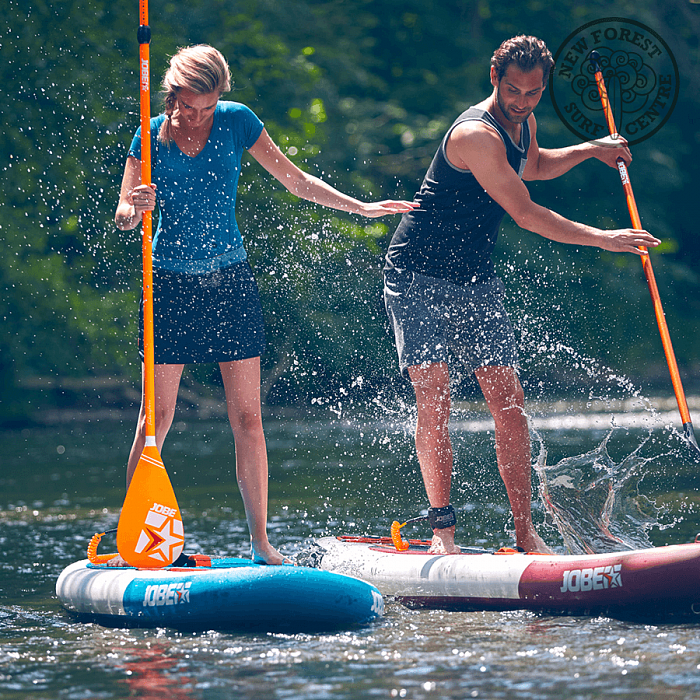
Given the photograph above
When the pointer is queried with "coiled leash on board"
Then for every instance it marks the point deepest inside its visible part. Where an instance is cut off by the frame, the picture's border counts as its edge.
(439, 518)
(92, 554)
(182, 560)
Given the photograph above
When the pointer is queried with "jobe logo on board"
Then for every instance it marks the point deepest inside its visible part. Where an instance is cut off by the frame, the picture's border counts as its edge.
(597, 579)
(640, 73)
(167, 594)
(377, 603)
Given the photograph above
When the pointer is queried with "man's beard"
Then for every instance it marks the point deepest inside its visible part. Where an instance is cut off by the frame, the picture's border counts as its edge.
(513, 119)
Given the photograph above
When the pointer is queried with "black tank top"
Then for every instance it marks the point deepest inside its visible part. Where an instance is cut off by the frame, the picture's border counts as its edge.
(453, 232)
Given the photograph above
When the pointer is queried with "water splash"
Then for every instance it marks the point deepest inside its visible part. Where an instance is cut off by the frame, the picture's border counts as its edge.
(595, 503)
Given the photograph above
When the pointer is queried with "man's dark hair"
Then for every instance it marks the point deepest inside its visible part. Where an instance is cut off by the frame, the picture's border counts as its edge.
(527, 52)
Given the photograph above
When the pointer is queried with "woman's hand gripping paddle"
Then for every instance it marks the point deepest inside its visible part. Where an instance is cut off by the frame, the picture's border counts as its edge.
(150, 532)
(594, 58)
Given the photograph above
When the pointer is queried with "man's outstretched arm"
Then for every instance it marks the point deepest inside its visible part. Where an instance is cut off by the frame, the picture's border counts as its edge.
(480, 149)
(548, 163)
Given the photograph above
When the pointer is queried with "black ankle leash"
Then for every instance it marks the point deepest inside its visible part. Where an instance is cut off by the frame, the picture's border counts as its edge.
(442, 518)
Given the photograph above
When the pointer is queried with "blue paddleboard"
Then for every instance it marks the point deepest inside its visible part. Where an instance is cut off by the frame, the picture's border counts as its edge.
(225, 593)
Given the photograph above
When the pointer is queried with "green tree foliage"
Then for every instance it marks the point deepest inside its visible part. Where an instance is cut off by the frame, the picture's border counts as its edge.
(357, 92)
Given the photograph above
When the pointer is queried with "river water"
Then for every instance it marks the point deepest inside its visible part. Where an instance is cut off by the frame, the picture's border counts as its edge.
(328, 475)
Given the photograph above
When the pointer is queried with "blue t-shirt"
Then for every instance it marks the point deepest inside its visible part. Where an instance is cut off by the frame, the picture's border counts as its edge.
(197, 230)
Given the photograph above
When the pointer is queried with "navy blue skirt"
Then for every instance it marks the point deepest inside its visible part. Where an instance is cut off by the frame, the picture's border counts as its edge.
(211, 317)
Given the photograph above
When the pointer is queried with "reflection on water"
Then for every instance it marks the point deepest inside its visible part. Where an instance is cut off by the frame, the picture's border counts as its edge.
(329, 476)
(152, 674)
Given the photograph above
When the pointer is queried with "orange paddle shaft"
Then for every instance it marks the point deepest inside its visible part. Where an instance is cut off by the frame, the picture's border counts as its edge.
(150, 531)
(144, 38)
(646, 260)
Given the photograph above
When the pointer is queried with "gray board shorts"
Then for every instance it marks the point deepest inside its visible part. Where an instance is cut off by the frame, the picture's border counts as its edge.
(435, 320)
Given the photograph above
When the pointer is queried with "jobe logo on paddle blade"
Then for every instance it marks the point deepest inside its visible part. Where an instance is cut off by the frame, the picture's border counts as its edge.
(162, 537)
(598, 579)
(150, 533)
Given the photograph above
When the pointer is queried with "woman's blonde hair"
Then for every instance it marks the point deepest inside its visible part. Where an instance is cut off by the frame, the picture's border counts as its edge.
(200, 69)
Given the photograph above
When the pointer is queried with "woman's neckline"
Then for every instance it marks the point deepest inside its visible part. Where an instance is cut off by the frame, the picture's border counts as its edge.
(205, 141)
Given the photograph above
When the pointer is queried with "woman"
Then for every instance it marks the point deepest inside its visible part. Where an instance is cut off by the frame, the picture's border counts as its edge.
(206, 306)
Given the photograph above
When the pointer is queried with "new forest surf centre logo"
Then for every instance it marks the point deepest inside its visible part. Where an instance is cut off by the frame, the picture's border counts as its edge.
(640, 74)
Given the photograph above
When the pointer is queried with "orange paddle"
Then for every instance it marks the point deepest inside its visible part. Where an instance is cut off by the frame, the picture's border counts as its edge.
(688, 432)
(150, 531)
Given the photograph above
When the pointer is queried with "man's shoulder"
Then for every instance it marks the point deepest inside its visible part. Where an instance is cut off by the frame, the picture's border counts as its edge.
(477, 132)
(474, 141)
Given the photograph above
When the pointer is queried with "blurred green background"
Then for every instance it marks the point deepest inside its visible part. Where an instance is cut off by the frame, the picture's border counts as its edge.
(358, 92)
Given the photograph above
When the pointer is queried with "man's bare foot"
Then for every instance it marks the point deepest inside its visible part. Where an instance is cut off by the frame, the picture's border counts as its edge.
(444, 542)
(532, 542)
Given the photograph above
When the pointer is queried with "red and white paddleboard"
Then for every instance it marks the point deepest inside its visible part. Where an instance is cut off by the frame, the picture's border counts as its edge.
(655, 582)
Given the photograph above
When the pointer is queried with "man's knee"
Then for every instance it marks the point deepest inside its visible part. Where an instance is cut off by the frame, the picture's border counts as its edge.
(504, 395)
(433, 402)
(164, 416)
(431, 378)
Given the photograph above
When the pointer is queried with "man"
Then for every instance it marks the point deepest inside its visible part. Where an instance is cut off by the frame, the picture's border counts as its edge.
(442, 294)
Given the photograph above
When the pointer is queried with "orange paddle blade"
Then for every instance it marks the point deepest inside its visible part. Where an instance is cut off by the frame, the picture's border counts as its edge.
(150, 533)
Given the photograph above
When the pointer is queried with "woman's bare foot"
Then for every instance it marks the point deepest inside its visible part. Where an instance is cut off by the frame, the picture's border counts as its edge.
(267, 554)
(116, 561)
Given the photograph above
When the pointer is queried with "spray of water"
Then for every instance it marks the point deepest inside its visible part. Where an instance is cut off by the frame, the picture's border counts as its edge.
(595, 502)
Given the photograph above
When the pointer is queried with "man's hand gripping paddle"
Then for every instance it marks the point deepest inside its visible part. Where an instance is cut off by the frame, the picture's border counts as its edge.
(594, 58)
(150, 532)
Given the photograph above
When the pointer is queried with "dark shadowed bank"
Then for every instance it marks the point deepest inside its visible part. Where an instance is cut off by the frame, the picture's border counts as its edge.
(361, 93)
